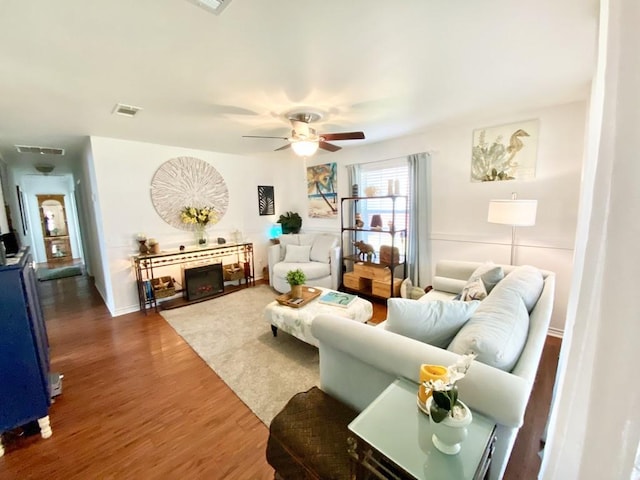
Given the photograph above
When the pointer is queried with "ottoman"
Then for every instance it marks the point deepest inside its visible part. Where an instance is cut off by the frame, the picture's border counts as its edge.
(308, 438)
(297, 321)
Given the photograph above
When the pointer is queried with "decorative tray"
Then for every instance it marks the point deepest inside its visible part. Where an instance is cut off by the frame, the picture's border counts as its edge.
(308, 294)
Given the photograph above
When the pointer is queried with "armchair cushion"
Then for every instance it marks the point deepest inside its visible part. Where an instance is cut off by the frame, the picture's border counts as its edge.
(321, 247)
(297, 254)
(435, 322)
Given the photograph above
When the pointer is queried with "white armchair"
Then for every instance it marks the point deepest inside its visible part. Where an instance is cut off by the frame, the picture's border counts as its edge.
(317, 255)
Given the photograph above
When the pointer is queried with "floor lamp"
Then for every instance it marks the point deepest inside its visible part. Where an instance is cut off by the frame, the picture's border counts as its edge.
(514, 212)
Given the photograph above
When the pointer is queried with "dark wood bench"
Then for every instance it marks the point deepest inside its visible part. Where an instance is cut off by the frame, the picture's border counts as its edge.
(308, 438)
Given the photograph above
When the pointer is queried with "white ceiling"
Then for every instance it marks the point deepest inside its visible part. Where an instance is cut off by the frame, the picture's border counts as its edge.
(389, 68)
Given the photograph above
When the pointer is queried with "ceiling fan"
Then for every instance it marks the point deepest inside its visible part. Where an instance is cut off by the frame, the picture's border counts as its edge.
(304, 139)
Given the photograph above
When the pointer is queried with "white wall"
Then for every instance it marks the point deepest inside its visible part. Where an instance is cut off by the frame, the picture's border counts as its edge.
(123, 172)
(459, 227)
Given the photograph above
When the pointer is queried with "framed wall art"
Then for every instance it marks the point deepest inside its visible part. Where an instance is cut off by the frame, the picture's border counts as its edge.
(506, 152)
(322, 184)
(266, 200)
(187, 182)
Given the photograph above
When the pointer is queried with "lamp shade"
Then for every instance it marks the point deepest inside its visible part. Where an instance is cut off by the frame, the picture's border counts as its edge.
(517, 213)
(304, 148)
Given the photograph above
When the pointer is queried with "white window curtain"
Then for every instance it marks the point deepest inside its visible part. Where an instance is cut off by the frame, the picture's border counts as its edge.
(419, 246)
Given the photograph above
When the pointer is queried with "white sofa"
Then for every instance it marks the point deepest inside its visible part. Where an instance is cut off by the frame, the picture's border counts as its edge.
(316, 254)
(357, 361)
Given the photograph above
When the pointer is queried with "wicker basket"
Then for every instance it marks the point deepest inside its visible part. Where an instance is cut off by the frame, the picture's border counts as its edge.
(233, 271)
(163, 287)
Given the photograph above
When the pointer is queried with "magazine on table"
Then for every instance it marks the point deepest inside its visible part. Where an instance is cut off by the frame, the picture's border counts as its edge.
(337, 299)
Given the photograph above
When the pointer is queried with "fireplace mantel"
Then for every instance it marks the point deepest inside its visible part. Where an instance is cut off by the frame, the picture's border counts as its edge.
(149, 266)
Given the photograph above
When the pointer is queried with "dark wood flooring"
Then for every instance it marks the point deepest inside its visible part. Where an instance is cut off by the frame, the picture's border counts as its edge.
(138, 403)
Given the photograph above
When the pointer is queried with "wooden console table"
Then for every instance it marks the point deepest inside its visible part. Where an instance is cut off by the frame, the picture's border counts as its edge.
(148, 267)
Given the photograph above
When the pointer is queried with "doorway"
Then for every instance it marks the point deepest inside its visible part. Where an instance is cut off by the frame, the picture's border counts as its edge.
(55, 230)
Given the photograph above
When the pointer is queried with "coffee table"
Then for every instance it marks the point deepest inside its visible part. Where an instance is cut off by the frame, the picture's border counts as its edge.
(297, 321)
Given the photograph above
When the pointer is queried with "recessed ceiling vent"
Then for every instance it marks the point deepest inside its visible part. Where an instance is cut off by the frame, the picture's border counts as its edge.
(40, 150)
(126, 110)
(215, 6)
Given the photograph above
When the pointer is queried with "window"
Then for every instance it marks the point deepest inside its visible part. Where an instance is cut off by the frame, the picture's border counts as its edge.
(381, 175)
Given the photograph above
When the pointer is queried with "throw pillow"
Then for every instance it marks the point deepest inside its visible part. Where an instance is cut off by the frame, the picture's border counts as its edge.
(297, 254)
(474, 290)
(287, 240)
(435, 322)
(490, 274)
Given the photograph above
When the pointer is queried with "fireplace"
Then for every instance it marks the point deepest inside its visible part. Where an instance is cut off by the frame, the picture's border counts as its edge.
(203, 281)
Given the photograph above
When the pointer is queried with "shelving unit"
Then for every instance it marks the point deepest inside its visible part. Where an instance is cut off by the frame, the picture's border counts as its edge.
(149, 267)
(375, 276)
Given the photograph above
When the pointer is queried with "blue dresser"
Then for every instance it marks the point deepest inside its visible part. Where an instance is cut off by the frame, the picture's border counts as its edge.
(24, 348)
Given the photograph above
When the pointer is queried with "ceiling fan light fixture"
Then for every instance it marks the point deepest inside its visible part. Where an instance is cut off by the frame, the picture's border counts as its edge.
(304, 148)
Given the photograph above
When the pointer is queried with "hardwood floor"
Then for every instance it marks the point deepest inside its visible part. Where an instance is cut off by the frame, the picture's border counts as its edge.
(137, 402)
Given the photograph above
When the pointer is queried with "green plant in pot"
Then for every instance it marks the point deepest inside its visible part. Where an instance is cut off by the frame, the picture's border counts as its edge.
(291, 222)
(296, 278)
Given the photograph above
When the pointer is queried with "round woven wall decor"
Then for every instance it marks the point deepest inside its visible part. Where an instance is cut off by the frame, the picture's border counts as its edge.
(187, 181)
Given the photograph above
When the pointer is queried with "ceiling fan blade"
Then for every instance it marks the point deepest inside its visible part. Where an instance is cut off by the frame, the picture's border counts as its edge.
(343, 136)
(284, 147)
(262, 136)
(328, 146)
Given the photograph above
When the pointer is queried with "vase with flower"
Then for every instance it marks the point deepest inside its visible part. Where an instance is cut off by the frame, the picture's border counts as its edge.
(448, 415)
(200, 218)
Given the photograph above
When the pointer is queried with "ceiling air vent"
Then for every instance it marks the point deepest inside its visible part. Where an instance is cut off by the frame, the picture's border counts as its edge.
(126, 110)
(215, 6)
(40, 150)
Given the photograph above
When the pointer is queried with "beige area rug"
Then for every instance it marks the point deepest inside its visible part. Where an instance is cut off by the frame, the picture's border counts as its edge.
(231, 335)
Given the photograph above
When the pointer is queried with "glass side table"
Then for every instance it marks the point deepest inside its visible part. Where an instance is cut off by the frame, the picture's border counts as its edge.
(392, 440)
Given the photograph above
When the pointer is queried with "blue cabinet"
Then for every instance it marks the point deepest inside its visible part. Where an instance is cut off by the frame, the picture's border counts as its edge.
(24, 348)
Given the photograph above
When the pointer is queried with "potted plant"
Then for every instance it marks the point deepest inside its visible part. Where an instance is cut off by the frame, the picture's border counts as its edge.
(291, 222)
(296, 278)
(448, 415)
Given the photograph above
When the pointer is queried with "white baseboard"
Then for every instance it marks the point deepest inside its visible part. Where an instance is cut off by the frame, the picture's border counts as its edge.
(555, 332)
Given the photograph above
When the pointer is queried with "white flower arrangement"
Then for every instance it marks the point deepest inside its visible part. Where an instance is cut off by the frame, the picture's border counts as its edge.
(445, 394)
(199, 216)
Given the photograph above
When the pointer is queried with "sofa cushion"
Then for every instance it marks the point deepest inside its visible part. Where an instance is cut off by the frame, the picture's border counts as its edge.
(321, 247)
(297, 254)
(287, 240)
(435, 322)
(312, 270)
(497, 331)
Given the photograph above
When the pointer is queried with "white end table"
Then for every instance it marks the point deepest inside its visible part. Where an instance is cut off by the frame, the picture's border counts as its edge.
(393, 439)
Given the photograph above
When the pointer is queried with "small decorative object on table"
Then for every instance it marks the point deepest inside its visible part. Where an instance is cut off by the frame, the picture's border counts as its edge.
(449, 417)
(359, 222)
(142, 242)
(200, 218)
(371, 191)
(296, 278)
(154, 246)
(376, 221)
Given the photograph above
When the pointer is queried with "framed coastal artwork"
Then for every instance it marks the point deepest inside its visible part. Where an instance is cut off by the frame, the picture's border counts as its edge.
(322, 190)
(506, 152)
